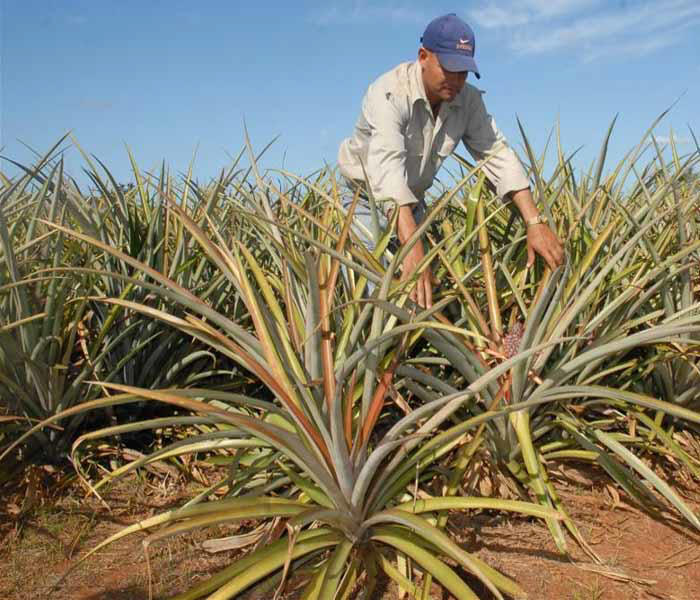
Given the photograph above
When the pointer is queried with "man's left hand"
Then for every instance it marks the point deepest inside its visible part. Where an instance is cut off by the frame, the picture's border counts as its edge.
(542, 240)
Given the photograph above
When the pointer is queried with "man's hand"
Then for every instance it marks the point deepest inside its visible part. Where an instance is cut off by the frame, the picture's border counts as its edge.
(422, 294)
(541, 239)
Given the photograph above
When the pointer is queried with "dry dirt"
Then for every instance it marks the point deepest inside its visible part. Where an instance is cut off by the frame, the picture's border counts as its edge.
(643, 557)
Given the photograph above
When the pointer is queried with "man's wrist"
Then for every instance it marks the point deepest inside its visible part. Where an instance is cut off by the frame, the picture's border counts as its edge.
(525, 203)
(406, 224)
(538, 219)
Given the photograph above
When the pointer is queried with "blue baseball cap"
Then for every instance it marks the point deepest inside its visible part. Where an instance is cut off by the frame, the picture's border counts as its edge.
(452, 41)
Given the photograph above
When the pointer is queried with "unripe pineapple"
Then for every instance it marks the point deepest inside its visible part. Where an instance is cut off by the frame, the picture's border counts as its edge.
(511, 340)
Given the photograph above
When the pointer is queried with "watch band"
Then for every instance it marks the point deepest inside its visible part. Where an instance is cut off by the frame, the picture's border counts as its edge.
(539, 219)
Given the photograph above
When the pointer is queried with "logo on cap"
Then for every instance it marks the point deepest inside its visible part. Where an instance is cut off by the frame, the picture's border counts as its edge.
(465, 45)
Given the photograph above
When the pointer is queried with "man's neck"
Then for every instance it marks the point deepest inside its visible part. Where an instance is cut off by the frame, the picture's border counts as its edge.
(434, 103)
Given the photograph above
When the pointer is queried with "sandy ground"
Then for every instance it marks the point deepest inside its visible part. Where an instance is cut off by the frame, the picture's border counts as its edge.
(642, 556)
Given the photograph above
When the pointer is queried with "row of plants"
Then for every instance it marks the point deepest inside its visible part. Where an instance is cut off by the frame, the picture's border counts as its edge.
(288, 349)
(55, 336)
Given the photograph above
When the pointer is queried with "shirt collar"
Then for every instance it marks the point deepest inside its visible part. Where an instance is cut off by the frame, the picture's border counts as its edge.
(417, 90)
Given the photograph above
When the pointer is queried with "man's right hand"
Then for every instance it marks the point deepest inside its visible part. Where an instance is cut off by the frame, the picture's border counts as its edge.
(422, 294)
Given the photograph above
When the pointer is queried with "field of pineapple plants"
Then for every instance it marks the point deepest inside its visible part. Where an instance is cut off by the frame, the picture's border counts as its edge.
(231, 387)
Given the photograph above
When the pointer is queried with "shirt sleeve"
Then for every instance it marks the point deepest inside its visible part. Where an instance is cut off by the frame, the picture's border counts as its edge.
(483, 140)
(386, 153)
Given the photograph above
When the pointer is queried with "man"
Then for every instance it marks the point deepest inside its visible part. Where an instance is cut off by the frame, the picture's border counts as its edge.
(412, 118)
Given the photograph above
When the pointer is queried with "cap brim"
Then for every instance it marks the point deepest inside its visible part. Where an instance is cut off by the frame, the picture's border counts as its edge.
(458, 63)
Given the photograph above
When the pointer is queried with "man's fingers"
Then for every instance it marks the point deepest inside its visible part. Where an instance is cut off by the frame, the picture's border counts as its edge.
(530, 256)
(557, 253)
(422, 294)
(545, 243)
(558, 257)
(560, 254)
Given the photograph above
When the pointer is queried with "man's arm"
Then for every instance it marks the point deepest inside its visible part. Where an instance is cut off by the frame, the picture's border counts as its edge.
(386, 118)
(386, 172)
(483, 140)
(406, 227)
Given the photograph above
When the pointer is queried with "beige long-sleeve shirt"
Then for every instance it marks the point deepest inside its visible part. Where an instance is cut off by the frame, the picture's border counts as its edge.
(402, 145)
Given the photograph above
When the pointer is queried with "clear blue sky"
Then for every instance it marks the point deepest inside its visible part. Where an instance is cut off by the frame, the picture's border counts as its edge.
(166, 77)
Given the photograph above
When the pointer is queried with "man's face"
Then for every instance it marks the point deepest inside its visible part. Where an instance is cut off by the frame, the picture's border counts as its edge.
(440, 85)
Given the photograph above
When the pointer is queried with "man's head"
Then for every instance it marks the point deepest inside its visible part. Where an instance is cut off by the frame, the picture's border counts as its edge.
(446, 57)
(452, 41)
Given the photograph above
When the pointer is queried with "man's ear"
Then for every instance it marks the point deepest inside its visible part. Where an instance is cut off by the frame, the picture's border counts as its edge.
(422, 54)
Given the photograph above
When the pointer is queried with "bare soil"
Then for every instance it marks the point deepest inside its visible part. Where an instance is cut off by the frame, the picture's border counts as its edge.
(641, 556)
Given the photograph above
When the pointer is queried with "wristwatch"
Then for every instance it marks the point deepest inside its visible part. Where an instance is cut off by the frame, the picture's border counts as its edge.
(536, 220)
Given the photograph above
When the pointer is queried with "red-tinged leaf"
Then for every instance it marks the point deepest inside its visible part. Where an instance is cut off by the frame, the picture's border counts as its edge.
(378, 401)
